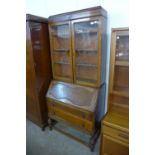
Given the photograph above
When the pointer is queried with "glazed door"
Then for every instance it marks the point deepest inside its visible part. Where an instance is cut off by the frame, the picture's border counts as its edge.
(86, 51)
(60, 41)
(120, 63)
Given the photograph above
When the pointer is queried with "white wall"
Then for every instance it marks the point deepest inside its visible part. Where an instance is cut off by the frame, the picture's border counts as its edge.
(36, 7)
(117, 12)
(117, 17)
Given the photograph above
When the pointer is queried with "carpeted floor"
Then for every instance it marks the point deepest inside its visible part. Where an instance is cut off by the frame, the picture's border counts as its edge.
(48, 142)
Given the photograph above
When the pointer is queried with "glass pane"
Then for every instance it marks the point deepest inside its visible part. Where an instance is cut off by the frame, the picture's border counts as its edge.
(61, 37)
(121, 79)
(122, 48)
(62, 70)
(86, 73)
(86, 48)
(61, 51)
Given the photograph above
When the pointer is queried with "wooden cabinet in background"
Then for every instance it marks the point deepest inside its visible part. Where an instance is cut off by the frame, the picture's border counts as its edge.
(38, 68)
(115, 125)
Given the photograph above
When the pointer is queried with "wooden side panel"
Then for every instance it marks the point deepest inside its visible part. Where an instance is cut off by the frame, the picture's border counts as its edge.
(38, 69)
(31, 93)
(103, 50)
(41, 53)
(100, 112)
(45, 70)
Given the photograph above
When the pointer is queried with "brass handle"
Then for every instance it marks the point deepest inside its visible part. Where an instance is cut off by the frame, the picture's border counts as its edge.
(123, 135)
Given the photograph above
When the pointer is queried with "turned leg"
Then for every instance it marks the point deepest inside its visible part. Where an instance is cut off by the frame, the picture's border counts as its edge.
(43, 128)
(93, 140)
(92, 146)
(50, 123)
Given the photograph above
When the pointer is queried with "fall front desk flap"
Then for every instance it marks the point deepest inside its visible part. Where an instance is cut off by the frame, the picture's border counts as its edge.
(75, 95)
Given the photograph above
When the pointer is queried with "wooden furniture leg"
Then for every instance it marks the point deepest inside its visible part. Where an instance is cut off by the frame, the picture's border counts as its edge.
(51, 123)
(93, 140)
(43, 127)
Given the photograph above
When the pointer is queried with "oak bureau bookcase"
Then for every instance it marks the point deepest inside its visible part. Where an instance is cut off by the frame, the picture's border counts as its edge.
(38, 70)
(76, 96)
(115, 125)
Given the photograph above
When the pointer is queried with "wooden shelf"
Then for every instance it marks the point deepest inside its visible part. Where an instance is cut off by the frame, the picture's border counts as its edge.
(86, 65)
(122, 49)
(117, 117)
(125, 106)
(122, 63)
(78, 79)
(86, 32)
(61, 50)
(120, 93)
(86, 50)
(61, 36)
(62, 63)
(63, 77)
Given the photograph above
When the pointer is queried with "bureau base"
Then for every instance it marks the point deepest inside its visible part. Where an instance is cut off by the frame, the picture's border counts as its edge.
(88, 140)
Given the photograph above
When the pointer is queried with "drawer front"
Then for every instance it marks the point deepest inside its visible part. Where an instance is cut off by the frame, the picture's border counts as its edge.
(110, 146)
(115, 133)
(85, 115)
(71, 118)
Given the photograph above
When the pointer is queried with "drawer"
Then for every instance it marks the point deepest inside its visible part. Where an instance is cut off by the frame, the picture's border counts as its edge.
(71, 118)
(111, 146)
(115, 133)
(72, 110)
